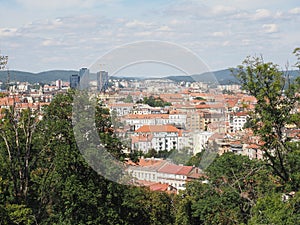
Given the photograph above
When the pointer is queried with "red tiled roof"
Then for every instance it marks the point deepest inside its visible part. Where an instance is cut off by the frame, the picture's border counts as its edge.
(141, 138)
(241, 114)
(210, 106)
(122, 105)
(253, 146)
(9, 100)
(149, 162)
(175, 169)
(159, 187)
(157, 128)
(147, 116)
(231, 103)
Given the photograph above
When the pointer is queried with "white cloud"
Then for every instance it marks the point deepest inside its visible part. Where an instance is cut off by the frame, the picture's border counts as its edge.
(262, 14)
(223, 10)
(226, 43)
(8, 32)
(65, 4)
(79, 30)
(164, 28)
(137, 23)
(177, 22)
(270, 28)
(218, 34)
(246, 42)
(295, 10)
(144, 34)
(51, 42)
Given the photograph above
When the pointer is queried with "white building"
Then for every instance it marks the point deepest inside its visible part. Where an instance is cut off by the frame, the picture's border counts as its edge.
(58, 84)
(158, 137)
(238, 121)
(177, 119)
(200, 141)
(165, 172)
(185, 140)
(136, 120)
(23, 86)
(121, 108)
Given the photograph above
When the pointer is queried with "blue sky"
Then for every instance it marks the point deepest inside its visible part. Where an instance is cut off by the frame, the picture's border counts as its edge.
(44, 35)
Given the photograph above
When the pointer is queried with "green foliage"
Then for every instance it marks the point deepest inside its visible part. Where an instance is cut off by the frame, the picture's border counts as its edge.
(154, 102)
(234, 185)
(276, 101)
(195, 159)
(128, 99)
(20, 214)
(153, 153)
(180, 157)
(44, 178)
(297, 54)
(271, 209)
(18, 154)
(200, 98)
(2, 95)
(204, 204)
(62, 187)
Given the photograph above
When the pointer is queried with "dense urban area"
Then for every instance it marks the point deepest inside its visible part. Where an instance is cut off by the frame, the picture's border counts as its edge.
(196, 152)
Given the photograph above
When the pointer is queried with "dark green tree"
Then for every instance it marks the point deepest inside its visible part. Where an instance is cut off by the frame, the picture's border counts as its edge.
(227, 194)
(154, 102)
(271, 209)
(277, 100)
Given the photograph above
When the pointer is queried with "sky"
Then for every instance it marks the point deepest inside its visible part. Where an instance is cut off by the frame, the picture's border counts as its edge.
(70, 34)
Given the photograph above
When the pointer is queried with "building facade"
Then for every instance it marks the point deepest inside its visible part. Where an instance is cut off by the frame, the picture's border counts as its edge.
(102, 81)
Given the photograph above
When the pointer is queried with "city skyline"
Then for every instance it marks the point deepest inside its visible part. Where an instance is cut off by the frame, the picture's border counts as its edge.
(39, 36)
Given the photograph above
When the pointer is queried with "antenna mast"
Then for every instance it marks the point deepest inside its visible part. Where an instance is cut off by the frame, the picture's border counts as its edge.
(3, 63)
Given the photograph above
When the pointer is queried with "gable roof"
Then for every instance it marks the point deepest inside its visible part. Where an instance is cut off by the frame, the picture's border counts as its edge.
(175, 169)
(157, 128)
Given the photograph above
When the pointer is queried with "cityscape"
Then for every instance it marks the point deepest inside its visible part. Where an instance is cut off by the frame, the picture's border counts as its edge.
(187, 117)
(122, 112)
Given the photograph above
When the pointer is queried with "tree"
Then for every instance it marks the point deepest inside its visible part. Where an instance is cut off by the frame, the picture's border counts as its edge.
(234, 184)
(128, 99)
(271, 209)
(277, 99)
(18, 152)
(297, 54)
(154, 102)
(70, 191)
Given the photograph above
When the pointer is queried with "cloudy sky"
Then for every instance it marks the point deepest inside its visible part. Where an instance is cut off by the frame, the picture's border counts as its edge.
(68, 34)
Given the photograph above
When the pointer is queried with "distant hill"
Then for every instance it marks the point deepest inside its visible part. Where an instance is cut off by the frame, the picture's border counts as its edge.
(222, 76)
(42, 77)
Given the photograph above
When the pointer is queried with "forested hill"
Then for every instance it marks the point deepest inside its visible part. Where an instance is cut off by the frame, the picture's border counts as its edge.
(222, 76)
(44, 77)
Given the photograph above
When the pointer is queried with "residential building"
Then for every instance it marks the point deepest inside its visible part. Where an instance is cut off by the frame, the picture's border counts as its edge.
(165, 172)
(238, 121)
(200, 139)
(158, 137)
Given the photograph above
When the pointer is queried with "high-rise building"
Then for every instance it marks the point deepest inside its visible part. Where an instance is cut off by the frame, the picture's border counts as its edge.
(83, 72)
(58, 84)
(74, 81)
(102, 81)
